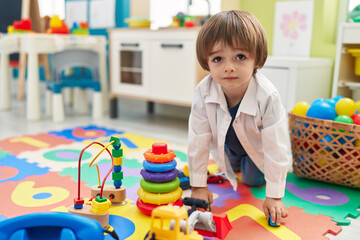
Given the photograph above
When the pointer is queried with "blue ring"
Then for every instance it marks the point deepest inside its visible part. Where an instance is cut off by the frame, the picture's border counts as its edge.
(159, 167)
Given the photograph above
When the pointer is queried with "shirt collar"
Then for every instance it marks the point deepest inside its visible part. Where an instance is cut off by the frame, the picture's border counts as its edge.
(248, 103)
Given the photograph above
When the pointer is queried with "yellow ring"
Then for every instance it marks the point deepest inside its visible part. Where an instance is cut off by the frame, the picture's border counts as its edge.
(159, 198)
(159, 158)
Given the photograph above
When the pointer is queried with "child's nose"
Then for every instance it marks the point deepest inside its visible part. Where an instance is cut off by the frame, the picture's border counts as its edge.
(229, 67)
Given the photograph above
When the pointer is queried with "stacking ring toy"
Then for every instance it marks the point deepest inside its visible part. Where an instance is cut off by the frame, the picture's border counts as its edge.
(159, 198)
(146, 208)
(159, 158)
(159, 167)
(160, 187)
(159, 177)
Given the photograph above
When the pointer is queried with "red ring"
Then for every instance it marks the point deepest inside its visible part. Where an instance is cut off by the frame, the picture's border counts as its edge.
(146, 208)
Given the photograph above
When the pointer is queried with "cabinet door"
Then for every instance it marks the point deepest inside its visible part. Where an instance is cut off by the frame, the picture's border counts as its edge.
(173, 70)
(280, 78)
(130, 67)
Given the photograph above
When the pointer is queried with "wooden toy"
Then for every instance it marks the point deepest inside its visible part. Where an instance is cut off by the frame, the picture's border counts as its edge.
(99, 209)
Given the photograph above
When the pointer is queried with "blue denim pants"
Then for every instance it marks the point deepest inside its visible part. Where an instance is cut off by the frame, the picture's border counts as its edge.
(250, 174)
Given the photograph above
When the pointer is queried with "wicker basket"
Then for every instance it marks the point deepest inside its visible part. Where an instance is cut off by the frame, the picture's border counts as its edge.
(325, 150)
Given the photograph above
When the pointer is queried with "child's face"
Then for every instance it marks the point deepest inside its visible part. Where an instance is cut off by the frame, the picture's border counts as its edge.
(230, 67)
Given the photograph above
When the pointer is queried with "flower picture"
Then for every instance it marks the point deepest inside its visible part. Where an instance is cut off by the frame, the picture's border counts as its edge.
(293, 28)
(292, 24)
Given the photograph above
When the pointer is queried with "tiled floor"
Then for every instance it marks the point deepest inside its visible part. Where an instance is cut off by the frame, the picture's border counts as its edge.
(132, 118)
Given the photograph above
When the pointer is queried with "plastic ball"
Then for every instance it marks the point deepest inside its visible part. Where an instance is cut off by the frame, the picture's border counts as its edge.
(356, 118)
(345, 106)
(301, 108)
(343, 119)
(318, 100)
(321, 110)
(357, 103)
(357, 143)
(331, 102)
(337, 98)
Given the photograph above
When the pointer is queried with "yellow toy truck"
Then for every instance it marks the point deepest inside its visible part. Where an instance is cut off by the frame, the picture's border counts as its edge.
(166, 224)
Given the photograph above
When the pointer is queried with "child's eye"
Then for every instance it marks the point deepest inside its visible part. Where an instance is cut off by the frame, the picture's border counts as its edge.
(217, 59)
(240, 57)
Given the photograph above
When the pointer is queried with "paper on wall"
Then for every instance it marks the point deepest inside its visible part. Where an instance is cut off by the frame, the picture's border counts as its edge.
(102, 14)
(75, 11)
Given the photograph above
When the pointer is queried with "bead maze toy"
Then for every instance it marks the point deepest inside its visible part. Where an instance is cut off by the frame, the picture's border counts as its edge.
(159, 182)
(102, 196)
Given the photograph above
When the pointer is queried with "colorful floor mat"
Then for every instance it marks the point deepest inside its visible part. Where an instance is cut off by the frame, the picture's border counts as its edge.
(40, 173)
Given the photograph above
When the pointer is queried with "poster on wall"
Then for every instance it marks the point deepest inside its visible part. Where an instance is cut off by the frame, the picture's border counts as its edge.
(293, 28)
(102, 14)
(75, 11)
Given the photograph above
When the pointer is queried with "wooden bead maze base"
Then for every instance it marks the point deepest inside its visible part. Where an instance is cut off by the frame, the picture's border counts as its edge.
(115, 195)
(103, 219)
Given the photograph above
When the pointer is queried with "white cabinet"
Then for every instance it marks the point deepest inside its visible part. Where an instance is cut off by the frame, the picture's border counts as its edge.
(172, 70)
(346, 82)
(299, 79)
(155, 66)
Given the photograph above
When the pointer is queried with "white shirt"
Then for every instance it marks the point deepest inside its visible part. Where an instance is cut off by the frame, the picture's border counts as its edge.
(260, 125)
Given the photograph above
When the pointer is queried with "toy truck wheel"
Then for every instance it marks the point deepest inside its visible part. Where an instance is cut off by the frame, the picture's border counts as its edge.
(220, 181)
(147, 235)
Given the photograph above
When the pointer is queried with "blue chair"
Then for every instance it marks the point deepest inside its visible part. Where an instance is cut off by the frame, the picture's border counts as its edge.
(51, 225)
(70, 59)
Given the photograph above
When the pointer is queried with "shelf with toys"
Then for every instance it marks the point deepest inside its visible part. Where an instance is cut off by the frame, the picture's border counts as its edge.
(346, 80)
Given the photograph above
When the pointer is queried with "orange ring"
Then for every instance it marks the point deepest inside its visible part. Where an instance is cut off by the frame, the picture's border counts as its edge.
(159, 158)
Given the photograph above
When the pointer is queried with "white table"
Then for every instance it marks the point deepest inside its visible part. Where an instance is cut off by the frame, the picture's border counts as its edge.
(8, 44)
(35, 44)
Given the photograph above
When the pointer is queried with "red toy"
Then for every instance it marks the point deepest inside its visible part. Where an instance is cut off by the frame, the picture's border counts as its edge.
(23, 24)
(215, 179)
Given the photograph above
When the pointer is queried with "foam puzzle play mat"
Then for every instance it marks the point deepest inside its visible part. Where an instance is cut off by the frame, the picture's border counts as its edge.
(119, 179)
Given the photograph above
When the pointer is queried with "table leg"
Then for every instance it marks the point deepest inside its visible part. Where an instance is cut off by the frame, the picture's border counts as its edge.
(21, 79)
(103, 80)
(33, 109)
(5, 88)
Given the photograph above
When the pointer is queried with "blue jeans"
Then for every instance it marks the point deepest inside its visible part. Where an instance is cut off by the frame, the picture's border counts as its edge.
(250, 174)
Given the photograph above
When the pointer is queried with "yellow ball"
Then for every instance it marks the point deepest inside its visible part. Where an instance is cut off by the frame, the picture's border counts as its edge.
(301, 108)
(357, 105)
(357, 143)
(345, 106)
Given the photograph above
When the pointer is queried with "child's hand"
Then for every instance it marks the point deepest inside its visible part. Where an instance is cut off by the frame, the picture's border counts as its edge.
(202, 193)
(276, 208)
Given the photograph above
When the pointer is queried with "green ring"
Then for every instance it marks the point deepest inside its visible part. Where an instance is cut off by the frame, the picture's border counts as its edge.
(160, 187)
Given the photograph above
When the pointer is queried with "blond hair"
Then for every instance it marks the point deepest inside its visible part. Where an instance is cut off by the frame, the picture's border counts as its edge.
(233, 28)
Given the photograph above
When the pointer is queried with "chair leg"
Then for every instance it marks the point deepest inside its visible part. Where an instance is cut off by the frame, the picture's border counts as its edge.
(83, 102)
(68, 96)
(97, 105)
(48, 103)
(58, 108)
(76, 96)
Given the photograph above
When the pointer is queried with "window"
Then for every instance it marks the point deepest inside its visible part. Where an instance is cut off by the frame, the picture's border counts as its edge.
(52, 7)
(162, 11)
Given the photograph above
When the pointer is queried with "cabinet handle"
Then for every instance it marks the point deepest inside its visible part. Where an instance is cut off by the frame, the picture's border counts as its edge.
(129, 44)
(166, 45)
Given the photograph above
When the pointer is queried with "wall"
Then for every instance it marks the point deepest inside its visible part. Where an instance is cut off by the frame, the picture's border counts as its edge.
(139, 8)
(323, 42)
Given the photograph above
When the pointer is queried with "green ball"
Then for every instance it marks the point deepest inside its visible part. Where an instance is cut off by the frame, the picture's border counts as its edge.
(344, 119)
